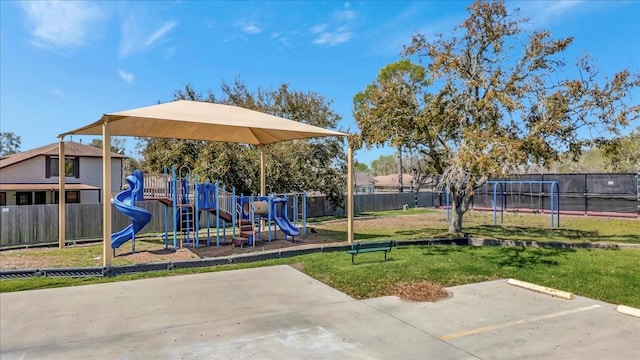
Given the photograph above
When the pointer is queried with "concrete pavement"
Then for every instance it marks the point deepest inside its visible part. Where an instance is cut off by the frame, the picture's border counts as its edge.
(280, 313)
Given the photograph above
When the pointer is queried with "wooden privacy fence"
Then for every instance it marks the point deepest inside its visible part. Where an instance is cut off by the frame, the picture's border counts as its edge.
(38, 224)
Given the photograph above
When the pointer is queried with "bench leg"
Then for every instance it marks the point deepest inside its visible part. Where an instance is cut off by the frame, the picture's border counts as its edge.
(385, 255)
(352, 256)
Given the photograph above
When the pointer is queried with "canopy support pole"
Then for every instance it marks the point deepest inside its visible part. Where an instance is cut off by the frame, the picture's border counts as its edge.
(106, 198)
(62, 199)
(262, 173)
(350, 194)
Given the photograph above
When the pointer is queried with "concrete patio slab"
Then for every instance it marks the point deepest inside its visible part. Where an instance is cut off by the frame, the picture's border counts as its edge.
(494, 320)
(280, 313)
(263, 313)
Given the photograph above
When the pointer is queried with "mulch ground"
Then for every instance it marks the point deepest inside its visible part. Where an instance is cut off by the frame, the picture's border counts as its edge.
(420, 291)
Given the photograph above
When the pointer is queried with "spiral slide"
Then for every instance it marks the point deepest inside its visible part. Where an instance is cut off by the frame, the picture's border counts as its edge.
(281, 218)
(125, 203)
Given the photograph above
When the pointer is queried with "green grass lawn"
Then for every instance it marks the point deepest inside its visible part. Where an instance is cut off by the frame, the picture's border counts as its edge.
(428, 223)
(607, 275)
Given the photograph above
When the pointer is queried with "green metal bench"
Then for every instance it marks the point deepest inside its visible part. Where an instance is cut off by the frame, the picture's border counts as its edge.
(358, 248)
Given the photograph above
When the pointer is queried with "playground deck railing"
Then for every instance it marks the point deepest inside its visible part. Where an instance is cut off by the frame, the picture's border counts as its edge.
(156, 186)
(226, 200)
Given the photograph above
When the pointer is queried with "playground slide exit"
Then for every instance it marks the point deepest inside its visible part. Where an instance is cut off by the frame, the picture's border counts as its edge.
(124, 202)
(281, 219)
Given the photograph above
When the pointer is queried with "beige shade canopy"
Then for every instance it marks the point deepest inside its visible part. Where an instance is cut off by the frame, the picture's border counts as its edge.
(192, 120)
(195, 120)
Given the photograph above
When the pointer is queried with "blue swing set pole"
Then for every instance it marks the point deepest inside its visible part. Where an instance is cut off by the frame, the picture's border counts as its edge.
(554, 199)
(447, 203)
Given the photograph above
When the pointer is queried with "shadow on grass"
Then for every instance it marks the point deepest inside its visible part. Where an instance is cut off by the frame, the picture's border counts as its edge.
(540, 234)
(512, 256)
(532, 233)
(367, 261)
(522, 257)
(339, 235)
(424, 232)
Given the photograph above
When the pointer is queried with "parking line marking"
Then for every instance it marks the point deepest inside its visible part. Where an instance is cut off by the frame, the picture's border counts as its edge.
(514, 323)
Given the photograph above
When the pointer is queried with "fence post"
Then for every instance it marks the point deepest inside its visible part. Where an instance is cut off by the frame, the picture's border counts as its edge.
(586, 195)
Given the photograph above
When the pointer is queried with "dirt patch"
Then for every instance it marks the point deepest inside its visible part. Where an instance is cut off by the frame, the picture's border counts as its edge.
(298, 266)
(150, 256)
(419, 291)
(149, 250)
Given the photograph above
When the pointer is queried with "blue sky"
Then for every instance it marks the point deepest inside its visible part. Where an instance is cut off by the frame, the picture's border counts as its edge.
(64, 64)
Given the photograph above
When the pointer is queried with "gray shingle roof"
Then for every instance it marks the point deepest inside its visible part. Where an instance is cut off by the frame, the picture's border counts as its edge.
(70, 149)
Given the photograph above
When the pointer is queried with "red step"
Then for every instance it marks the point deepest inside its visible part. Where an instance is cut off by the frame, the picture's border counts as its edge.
(246, 233)
(239, 241)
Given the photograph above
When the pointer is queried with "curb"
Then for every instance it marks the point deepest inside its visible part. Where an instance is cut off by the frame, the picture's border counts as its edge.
(541, 289)
(627, 310)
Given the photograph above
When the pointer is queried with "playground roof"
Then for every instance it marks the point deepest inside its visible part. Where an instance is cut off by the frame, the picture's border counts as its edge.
(195, 120)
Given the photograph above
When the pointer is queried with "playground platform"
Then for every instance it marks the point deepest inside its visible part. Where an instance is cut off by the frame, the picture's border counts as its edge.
(280, 313)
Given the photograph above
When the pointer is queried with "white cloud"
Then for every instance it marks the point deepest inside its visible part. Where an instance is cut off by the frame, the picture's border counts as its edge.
(158, 34)
(542, 13)
(337, 31)
(126, 76)
(344, 15)
(318, 28)
(136, 39)
(235, 37)
(328, 38)
(281, 38)
(249, 27)
(61, 24)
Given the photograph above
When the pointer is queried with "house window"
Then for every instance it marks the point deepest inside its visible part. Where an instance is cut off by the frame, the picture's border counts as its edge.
(72, 167)
(40, 197)
(3, 198)
(24, 198)
(72, 197)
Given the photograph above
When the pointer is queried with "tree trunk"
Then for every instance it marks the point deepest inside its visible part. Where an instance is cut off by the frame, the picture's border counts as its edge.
(455, 221)
(459, 206)
(400, 185)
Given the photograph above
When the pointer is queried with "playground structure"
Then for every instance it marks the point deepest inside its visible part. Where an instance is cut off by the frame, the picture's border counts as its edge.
(189, 206)
(553, 192)
(192, 120)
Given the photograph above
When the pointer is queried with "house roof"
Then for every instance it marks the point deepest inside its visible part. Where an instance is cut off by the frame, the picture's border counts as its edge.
(392, 180)
(51, 186)
(363, 178)
(70, 149)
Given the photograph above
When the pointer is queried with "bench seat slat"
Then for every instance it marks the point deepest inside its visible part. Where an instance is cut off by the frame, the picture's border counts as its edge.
(370, 247)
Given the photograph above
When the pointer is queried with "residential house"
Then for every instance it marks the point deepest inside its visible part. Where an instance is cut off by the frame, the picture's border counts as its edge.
(31, 177)
(364, 183)
(389, 183)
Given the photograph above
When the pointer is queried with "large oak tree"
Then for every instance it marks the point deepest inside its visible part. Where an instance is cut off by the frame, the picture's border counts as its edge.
(505, 97)
(387, 110)
(300, 165)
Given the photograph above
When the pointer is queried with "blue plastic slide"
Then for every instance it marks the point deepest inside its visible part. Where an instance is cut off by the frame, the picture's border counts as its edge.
(125, 203)
(281, 217)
